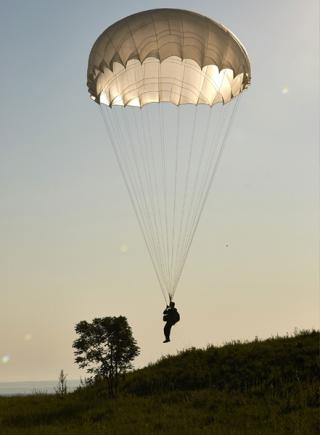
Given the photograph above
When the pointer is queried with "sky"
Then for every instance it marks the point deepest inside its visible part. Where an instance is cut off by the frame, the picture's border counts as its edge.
(70, 246)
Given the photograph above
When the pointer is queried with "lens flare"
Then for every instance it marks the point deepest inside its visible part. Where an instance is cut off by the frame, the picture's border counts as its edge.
(124, 248)
(5, 359)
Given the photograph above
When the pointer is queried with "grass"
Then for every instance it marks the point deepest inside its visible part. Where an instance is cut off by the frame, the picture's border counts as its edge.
(261, 387)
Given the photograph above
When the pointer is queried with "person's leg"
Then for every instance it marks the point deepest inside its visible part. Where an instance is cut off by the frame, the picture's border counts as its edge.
(167, 329)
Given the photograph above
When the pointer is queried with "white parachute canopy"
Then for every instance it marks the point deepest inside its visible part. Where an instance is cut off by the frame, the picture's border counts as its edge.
(168, 153)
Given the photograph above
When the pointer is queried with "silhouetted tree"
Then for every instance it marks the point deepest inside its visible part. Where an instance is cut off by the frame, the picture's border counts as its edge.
(105, 348)
(61, 389)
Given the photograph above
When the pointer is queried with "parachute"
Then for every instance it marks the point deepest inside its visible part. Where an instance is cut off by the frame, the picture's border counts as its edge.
(168, 83)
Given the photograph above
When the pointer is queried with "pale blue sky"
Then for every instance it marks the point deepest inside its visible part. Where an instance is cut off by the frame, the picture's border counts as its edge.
(64, 211)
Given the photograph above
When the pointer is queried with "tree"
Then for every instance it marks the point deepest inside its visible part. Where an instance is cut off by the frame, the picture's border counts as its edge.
(105, 348)
(61, 389)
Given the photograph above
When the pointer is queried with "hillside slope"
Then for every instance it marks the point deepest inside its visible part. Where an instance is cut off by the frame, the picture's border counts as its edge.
(262, 387)
(257, 365)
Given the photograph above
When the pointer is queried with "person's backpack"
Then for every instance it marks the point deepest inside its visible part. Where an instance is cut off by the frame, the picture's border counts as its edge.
(171, 315)
(175, 316)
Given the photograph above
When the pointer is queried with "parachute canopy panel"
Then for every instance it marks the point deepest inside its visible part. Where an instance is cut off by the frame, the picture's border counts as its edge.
(167, 55)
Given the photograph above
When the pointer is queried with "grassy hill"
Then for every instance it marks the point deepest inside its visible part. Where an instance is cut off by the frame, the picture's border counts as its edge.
(259, 387)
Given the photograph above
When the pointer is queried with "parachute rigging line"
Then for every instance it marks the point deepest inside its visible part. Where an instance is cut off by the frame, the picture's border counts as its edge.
(168, 224)
(132, 195)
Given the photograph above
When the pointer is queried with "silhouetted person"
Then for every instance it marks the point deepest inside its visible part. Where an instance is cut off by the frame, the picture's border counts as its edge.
(171, 317)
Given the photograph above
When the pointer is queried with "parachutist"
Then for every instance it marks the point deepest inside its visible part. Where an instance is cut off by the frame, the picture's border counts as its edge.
(171, 317)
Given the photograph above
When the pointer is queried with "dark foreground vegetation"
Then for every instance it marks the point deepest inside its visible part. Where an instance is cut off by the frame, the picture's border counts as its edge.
(261, 387)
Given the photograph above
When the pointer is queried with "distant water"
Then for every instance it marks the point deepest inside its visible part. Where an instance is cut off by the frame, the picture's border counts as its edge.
(26, 388)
